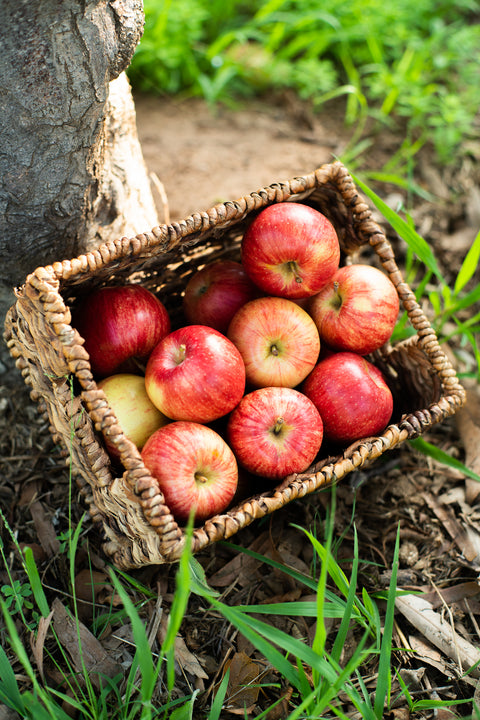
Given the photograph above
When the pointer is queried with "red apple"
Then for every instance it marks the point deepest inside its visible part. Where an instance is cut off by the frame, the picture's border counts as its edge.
(290, 250)
(275, 431)
(137, 415)
(119, 324)
(356, 310)
(196, 374)
(278, 341)
(215, 293)
(351, 395)
(194, 467)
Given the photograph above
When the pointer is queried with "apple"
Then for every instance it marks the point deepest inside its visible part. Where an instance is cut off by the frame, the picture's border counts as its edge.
(120, 324)
(290, 250)
(195, 373)
(351, 395)
(137, 415)
(215, 293)
(275, 431)
(277, 339)
(356, 310)
(195, 469)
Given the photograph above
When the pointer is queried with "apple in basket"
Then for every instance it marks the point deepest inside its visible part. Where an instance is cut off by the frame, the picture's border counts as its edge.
(137, 415)
(215, 293)
(275, 431)
(356, 310)
(277, 339)
(120, 324)
(195, 373)
(195, 468)
(290, 250)
(351, 395)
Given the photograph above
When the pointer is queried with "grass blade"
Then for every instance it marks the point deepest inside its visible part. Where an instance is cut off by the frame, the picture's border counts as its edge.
(219, 698)
(9, 692)
(298, 608)
(143, 650)
(309, 582)
(469, 265)
(419, 246)
(441, 456)
(35, 582)
(349, 613)
(384, 669)
(256, 631)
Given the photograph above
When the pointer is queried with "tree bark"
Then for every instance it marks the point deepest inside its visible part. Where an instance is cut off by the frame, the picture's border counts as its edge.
(72, 173)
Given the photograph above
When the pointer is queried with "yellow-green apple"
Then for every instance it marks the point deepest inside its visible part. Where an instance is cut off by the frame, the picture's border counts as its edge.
(277, 339)
(195, 373)
(275, 431)
(215, 293)
(351, 395)
(290, 250)
(137, 415)
(195, 468)
(120, 324)
(356, 310)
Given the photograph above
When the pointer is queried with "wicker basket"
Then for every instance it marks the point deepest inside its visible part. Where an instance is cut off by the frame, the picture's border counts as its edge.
(137, 525)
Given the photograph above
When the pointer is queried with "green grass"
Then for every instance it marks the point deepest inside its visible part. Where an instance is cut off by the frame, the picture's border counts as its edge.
(404, 64)
(454, 307)
(315, 671)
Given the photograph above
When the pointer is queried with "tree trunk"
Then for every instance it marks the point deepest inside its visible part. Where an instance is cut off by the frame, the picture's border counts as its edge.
(72, 173)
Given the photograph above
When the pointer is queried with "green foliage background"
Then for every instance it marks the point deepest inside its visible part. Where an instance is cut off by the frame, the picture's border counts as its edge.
(411, 63)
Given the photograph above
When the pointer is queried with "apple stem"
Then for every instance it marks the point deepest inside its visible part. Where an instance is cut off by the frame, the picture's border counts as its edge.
(338, 300)
(293, 267)
(200, 478)
(181, 352)
(274, 349)
(278, 425)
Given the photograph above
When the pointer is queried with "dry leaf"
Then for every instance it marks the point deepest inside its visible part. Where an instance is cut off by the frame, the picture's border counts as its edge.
(187, 660)
(89, 652)
(467, 542)
(44, 529)
(426, 653)
(37, 643)
(7, 713)
(242, 691)
(452, 594)
(241, 568)
(91, 588)
(280, 711)
(439, 631)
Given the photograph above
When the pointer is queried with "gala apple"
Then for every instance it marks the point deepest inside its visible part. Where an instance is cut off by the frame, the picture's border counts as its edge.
(278, 341)
(351, 395)
(215, 293)
(120, 324)
(195, 373)
(275, 431)
(356, 310)
(195, 469)
(290, 250)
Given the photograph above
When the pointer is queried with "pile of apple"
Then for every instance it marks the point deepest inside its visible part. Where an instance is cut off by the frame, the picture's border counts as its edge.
(269, 363)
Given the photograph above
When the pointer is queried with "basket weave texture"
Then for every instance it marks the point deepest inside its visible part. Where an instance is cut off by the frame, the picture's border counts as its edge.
(127, 505)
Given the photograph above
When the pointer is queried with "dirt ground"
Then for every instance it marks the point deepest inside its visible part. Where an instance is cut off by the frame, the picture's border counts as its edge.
(200, 158)
(204, 156)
